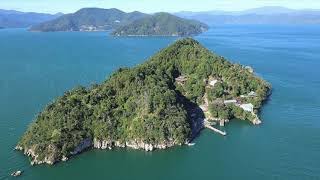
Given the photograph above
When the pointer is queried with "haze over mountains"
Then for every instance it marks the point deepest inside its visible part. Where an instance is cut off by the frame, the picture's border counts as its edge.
(16, 19)
(263, 15)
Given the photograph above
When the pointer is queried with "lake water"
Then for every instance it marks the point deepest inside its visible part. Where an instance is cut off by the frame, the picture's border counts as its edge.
(37, 67)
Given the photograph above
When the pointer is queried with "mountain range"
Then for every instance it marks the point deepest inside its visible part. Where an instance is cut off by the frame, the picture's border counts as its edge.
(263, 15)
(17, 19)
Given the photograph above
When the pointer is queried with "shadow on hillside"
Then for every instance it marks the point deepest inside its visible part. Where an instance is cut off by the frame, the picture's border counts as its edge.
(195, 115)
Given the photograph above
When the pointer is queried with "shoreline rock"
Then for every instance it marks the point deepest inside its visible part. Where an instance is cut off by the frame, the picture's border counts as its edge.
(256, 121)
(106, 144)
(64, 158)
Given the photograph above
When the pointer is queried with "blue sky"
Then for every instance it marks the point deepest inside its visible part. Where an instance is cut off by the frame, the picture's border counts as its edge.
(66, 6)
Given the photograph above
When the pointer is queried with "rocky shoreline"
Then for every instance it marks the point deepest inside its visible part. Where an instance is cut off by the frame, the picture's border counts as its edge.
(30, 152)
(95, 144)
(105, 144)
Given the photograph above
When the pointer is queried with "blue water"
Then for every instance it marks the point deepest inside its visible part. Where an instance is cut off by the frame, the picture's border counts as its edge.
(37, 67)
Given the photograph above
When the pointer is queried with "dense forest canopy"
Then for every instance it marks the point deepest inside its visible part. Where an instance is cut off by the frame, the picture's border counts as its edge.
(143, 103)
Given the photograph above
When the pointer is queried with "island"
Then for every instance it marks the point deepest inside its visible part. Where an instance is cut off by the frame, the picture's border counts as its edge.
(161, 24)
(89, 19)
(158, 104)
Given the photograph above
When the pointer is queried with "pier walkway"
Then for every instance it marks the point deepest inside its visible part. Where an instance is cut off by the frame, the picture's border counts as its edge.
(207, 125)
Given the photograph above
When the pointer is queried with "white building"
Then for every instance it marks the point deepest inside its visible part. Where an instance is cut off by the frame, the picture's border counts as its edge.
(247, 107)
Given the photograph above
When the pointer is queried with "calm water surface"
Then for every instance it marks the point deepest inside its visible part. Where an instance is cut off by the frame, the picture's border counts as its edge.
(37, 67)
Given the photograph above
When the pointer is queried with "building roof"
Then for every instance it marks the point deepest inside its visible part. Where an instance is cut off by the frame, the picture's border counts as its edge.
(247, 107)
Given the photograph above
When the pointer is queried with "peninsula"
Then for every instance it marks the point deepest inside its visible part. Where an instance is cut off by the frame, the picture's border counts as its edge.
(161, 103)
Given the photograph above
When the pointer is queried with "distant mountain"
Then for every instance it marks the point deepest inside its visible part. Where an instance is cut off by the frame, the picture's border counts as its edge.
(4, 11)
(268, 10)
(263, 15)
(161, 24)
(16, 19)
(89, 19)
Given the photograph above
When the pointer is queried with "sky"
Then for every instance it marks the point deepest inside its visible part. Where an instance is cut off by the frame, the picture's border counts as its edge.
(150, 6)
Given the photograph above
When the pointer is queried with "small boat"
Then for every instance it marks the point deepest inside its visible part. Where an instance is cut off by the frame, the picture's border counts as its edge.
(16, 173)
(191, 144)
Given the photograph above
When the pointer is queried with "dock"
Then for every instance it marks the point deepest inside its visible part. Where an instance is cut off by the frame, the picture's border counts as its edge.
(223, 133)
(207, 125)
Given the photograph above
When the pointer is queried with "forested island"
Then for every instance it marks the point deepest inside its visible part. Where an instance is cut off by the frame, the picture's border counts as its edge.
(161, 24)
(155, 105)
